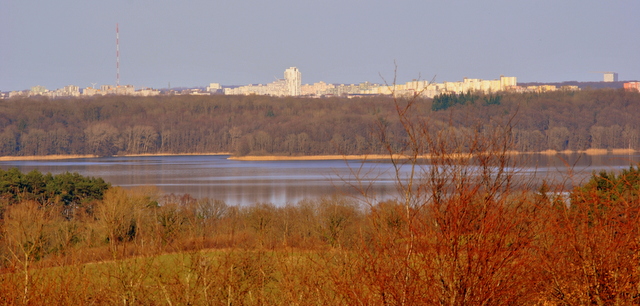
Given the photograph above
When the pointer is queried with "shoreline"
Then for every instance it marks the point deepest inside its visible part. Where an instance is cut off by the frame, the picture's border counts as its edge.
(44, 157)
(302, 158)
(71, 156)
(171, 154)
(591, 152)
(311, 157)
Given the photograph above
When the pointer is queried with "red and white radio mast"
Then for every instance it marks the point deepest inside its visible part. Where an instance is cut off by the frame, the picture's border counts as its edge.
(117, 56)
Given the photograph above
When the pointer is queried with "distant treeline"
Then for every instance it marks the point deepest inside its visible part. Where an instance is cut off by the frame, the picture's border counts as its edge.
(261, 125)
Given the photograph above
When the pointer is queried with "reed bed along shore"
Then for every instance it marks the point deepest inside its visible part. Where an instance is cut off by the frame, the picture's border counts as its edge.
(308, 157)
(44, 157)
(57, 157)
(386, 156)
(174, 154)
(312, 157)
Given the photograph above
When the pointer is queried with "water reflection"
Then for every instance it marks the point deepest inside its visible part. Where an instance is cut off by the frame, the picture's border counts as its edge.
(282, 182)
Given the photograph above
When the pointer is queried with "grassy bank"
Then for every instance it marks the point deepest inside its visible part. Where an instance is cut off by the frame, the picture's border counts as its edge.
(205, 277)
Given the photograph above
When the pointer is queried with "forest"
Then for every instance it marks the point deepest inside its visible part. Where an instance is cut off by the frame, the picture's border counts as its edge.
(261, 125)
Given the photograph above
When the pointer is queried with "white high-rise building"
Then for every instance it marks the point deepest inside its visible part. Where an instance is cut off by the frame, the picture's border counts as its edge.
(610, 77)
(293, 81)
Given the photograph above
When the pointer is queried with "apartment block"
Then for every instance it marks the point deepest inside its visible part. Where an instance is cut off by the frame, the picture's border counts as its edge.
(631, 86)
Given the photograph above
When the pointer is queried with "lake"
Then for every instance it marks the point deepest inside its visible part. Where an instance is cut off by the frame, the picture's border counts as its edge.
(282, 182)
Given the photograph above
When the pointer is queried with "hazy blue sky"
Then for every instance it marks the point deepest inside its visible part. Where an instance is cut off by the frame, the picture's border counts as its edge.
(196, 42)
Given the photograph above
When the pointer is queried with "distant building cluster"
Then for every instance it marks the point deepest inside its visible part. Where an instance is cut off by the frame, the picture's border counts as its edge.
(430, 90)
(291, 85)
(67, 91)
(545, 88)
(74, 91)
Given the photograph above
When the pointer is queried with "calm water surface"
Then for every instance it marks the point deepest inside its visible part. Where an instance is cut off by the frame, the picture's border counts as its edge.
(282, 182)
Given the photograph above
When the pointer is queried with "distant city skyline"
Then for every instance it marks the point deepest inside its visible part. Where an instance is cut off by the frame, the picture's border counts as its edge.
(194, 43)
(292, 86)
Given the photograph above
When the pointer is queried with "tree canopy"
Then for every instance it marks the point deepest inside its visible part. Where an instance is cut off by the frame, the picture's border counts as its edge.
(261, 125)
(67, 191)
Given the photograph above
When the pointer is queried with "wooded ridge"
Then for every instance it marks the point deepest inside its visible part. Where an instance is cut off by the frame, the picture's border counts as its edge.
(261, 125)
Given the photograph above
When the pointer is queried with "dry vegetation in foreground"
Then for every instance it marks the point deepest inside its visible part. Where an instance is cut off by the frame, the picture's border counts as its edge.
(459, 234)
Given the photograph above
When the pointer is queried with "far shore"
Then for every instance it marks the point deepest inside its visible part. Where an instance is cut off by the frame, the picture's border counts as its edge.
(311, 157)
(172, 154)
(44, 157)
(57, 157)
(303, 157)
(386, 156)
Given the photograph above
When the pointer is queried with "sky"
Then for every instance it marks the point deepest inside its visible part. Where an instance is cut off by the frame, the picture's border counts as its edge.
(192, 43)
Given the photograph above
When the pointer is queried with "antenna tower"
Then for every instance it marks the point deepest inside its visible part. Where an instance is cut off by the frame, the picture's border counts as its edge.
(117, 56)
